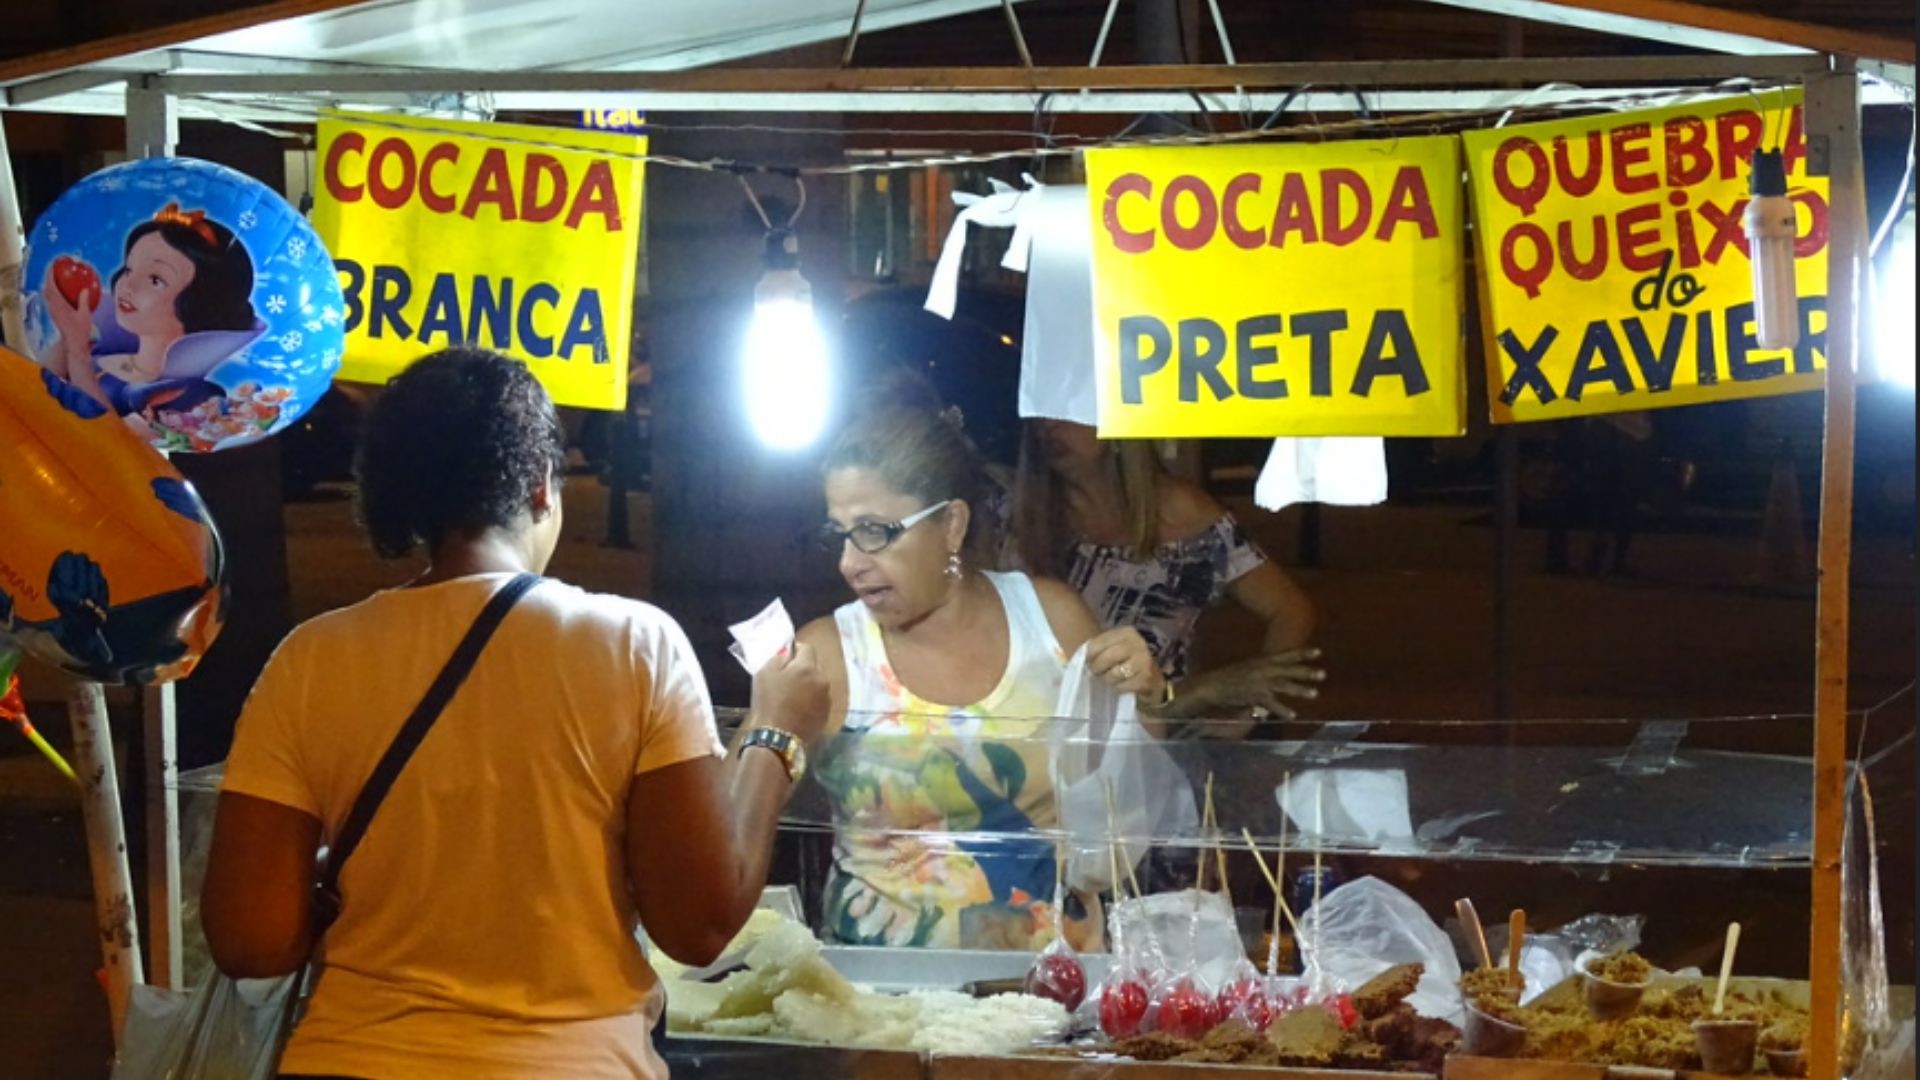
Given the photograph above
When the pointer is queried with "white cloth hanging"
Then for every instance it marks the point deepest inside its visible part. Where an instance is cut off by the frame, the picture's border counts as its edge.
(1342, 470)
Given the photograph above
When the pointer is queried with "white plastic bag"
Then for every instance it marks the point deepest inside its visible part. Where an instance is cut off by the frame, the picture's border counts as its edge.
(1365, 927)
(223, 1029)
(1099, 750)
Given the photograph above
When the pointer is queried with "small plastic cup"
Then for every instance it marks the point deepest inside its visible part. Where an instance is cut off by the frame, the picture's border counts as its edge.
(1726, 1046)
(1490, 1036)
(1608, 1000)
(1786, 1062)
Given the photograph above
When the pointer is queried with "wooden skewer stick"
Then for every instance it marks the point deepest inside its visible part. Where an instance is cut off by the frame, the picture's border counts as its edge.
(1726, 967)
(1112, 828)
(1476, 932)
(1516, 936)
(1206, 830)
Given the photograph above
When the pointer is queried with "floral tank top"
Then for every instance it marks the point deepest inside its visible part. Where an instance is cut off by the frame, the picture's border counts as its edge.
(930, 800)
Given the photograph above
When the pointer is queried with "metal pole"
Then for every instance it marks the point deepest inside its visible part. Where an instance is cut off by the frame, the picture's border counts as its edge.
(13, 255)
(106, 846)
(1506, 488)
(153, 127)
(1833, 126)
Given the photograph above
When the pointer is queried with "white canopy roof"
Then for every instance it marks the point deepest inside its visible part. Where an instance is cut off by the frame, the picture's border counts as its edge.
(533, 54)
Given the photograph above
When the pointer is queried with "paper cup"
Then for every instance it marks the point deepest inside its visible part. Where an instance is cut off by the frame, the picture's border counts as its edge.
(1490, 1036)
(1786, 1062)
(1608, 1000)
(1726, 1046)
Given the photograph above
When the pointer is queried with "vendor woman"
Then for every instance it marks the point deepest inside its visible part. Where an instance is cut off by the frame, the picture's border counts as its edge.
(943, 674)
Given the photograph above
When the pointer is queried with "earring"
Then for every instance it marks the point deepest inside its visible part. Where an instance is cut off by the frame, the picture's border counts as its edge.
(954, 569)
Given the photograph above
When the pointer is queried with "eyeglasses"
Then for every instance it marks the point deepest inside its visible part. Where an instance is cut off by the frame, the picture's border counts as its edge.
(874, 537)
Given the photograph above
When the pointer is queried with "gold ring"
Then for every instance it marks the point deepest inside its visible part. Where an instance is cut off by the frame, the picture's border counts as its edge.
(1125, 671)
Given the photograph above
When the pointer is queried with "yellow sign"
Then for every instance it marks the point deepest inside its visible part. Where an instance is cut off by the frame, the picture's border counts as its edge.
(1300, 289)
(1614, 262)
(521, 239)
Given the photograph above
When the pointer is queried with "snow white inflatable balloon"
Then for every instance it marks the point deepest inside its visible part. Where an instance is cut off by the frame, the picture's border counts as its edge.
(191, 300)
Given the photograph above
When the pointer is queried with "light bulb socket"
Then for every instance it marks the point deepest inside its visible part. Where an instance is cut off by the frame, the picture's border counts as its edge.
(1766, 174)
(782, 251)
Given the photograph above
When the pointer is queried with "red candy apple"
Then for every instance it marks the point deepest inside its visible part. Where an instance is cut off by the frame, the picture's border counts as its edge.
(1187, 1010)
(1057, 976)
(1247, 998)
(77, 282)
(1123, 1005)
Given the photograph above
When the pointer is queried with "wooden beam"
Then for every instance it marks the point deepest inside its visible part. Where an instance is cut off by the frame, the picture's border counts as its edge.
(1833, 121)
(1596, 71)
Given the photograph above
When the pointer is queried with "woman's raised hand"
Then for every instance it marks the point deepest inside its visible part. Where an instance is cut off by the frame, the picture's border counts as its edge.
(790, 693)
(1120, 658)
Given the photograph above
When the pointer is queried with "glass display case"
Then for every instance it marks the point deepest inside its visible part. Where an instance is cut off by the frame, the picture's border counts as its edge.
(1659, 834)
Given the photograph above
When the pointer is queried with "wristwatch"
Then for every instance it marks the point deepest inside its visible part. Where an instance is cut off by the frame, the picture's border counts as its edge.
(793, 752)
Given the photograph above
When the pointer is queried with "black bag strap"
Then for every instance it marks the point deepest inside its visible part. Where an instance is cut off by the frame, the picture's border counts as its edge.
(415, 729)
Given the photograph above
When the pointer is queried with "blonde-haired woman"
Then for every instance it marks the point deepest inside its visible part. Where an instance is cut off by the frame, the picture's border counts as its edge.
(1150, 551)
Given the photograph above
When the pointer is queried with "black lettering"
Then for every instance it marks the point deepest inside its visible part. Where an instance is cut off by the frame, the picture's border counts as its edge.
(1526, 367)
(1742, 342)
(356, 279)
(442, 316)
(1657, 370)
(532, 342)
(1811, 340)
(1134, 365)
(1202, 346)
(495, 311)
(1250, 356)
(1599, 342)
(1318, 327)
(1390, 329)
(385, 306)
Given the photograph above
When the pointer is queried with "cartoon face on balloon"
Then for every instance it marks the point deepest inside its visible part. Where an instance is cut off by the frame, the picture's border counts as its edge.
(218, 321)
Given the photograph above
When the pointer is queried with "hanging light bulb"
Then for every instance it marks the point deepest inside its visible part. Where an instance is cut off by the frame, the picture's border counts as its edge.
(786, 375)
(1770, 231)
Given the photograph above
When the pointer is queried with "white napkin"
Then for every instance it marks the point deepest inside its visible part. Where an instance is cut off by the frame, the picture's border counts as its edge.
(762, 637)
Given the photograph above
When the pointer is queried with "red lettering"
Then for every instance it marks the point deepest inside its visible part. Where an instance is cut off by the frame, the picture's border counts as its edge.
(1794, 149)
(1242, 237)
(1522, 196)
(1188, 237)
(390, 196)
(1728, 229)
(1584, 269)
(1638, 229)
(1814, 240)
(347, 142)
(1294, 213)
(1582, 183)
(1409, 202)
(1683, 225)
(1528, 277)
(430, 196)
(1738, 134)
(1685, 143)
(1124, 239)
(1629, 150)
(597, 196)
(531, 206)
(1337, 231)
(492, 184)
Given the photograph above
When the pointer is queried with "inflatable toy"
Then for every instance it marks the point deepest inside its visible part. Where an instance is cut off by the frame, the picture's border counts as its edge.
(110, 566)
(189, 298)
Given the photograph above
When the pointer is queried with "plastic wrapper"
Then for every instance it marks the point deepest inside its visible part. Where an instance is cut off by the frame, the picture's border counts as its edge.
(1365, 927)
(222, 1029)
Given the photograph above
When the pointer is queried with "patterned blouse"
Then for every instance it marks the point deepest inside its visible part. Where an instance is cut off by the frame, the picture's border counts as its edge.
(929, 800)
(1164, 596)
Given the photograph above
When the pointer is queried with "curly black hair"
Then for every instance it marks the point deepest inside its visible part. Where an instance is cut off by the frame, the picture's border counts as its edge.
(456, 443)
